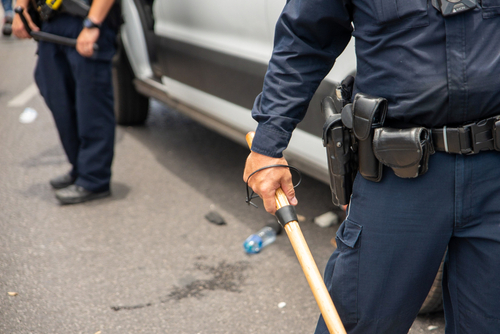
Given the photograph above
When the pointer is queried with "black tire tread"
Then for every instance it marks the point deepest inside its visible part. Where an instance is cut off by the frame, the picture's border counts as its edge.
(131, 108)
(434, 301)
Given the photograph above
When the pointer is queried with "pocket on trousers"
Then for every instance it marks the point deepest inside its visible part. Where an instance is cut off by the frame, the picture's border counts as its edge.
(346, 270)
(101, 73)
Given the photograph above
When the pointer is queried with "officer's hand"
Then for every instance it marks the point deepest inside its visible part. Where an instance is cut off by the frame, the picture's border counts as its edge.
(18, 27)
(265, 182)
(86, 40)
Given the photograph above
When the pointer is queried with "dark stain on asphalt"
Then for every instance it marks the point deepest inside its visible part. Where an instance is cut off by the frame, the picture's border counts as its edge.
(225, 276)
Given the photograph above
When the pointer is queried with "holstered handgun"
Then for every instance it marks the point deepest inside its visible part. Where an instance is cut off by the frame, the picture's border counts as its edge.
(339, 143)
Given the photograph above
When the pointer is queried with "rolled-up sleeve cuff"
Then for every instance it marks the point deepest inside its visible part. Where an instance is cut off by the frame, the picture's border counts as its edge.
(268, 141)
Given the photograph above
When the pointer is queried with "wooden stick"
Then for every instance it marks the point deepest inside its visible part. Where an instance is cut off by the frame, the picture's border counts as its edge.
(308, 265)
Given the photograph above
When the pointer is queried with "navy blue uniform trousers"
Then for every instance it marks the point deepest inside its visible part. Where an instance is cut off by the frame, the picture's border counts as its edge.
(79, 93)
(395, 235)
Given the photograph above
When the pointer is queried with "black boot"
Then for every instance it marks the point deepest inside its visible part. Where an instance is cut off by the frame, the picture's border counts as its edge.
(7, 26)
(62, 181)
(74, 194)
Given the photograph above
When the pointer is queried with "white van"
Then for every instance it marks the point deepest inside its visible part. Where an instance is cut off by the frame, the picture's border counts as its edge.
(208, 59)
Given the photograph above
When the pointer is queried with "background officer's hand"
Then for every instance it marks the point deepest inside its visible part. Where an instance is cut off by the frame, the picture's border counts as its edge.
(85, 41)
(18, 27)
(265, 182)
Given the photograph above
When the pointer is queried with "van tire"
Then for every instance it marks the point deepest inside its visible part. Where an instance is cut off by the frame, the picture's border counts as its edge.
(434, 301)
(131, 108)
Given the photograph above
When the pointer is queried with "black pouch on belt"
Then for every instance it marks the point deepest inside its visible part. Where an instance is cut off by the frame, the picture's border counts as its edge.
(368, 114)
(406, 151)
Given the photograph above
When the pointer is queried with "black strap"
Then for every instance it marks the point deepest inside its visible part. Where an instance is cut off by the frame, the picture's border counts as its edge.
(468, 139)
(286, 214)
(452, 140)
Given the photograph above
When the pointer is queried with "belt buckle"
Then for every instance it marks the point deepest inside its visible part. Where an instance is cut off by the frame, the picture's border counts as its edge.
(481, 136)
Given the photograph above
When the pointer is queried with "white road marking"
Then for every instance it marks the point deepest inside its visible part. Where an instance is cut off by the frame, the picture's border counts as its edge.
(26, 95)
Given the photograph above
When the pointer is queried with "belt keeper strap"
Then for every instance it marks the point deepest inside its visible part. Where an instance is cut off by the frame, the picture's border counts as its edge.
(445, 138)
(286, 214)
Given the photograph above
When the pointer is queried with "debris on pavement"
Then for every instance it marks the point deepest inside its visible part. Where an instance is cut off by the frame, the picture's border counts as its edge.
(28, 115)
(215, 217)
(327, 219)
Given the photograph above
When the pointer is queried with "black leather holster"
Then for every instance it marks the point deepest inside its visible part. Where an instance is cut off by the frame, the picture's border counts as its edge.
(368, 114)
(342, 162)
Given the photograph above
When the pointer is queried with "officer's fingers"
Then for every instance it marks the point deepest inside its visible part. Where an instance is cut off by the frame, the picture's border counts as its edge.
(287, 187)
(18, 28)
(84, 48)
(266, 181)
(274, 179)
(85, 41)
(269, 199)
(84, 52)
(270, 204)
(79, 48)
(265, 184)
(89, 50)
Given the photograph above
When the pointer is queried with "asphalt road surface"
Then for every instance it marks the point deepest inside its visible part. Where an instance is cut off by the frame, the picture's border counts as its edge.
(145, 260)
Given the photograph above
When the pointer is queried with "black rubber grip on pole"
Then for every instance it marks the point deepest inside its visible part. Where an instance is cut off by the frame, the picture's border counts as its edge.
(286, 214)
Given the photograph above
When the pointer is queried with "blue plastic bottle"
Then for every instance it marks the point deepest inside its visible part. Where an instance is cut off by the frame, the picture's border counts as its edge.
(265, 236)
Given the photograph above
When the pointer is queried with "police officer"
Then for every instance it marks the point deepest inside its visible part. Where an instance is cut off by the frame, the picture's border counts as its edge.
(76, 85)
(438, 66)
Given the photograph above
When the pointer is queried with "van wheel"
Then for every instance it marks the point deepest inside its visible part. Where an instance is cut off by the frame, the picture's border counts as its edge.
(434, 300)
(131, 108)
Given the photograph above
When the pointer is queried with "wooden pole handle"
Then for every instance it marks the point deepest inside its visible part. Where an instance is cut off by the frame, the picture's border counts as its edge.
(309, 267)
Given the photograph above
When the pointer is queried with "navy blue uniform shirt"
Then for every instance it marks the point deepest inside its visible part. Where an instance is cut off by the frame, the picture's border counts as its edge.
(433, 70)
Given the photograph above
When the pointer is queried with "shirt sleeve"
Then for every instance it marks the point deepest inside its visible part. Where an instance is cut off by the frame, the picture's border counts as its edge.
(309, 36)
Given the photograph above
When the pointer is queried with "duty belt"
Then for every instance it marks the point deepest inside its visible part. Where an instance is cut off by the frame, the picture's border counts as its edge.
(472, 138)
(359, 141)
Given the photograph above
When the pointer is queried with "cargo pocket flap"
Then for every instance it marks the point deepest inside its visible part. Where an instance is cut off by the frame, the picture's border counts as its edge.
(349, 233)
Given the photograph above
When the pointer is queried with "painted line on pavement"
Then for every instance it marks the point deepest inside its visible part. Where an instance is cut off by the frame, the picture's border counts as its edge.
(26, 95)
